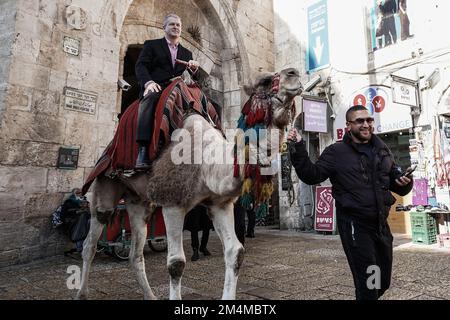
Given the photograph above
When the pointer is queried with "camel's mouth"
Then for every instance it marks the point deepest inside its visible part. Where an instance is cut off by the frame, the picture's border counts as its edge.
(294, 89)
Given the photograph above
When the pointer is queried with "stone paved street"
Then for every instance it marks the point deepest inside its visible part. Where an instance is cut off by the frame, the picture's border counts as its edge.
(278, 265)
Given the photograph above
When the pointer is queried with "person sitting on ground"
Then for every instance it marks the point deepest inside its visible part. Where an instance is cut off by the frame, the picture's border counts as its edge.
(75, 217)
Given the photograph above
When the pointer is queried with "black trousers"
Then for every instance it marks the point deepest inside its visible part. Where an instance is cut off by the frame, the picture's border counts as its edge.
(194, 239)
(365, 247)
(251, 215)
(146, 117)
(239, 221)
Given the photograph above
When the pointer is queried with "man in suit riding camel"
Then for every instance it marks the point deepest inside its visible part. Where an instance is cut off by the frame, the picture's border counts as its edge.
(155, 67)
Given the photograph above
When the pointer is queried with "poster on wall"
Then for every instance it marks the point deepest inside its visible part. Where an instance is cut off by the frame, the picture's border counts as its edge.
(389, 23)
(389, 116)
(325, 210)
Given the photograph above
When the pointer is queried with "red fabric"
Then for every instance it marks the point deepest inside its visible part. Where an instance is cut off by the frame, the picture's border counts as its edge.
(122, 152)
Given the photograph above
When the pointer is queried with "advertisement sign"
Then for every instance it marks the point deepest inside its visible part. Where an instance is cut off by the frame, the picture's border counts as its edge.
(325, 219)
(389, 116)
(315, 116)
(389, 22)
(318, 48)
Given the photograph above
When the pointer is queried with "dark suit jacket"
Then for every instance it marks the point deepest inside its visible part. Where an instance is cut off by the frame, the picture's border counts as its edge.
(155, 63)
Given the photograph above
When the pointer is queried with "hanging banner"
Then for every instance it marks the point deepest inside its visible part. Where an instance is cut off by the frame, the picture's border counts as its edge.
(325, 219)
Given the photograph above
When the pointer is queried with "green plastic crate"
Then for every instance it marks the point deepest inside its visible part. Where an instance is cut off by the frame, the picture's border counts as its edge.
(422, 220)
(424, 237)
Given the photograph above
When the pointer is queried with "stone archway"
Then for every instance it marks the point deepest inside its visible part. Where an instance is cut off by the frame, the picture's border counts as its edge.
(220, 51)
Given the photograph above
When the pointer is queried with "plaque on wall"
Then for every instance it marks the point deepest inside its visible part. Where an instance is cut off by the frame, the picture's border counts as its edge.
(68, 158)
(79, 100)
(71, 46)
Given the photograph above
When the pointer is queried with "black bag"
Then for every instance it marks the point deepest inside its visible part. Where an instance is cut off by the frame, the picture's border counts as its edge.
(80, 229)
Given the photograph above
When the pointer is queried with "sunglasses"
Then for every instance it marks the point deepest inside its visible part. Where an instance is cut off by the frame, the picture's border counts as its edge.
(360, 121)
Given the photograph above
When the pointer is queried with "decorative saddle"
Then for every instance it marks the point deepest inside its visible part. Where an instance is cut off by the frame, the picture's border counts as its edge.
(176, 101)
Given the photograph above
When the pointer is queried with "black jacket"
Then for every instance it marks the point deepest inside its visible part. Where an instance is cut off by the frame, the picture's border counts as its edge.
(197, 219)
(155, 63)
(361, 188)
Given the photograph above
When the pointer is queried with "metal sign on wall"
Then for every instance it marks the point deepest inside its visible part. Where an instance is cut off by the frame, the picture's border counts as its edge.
(404, 93)
(80, 101)
(68, 158)
(71, 46)
(318, 48)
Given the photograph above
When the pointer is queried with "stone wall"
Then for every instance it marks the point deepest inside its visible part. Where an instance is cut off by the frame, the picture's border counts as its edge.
(51, 46)
(7, 14)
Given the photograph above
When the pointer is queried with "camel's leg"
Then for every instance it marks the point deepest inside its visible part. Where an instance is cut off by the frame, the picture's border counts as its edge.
(136, 214)
(89, 249)
(176, 260)
(106, 194)
(223, 220)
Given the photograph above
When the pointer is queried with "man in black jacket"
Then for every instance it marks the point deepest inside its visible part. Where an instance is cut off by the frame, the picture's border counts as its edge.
(362, 173)
(155, 67)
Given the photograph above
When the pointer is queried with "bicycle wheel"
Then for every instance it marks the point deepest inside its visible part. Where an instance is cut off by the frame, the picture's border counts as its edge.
(122, 248)
(158, 244)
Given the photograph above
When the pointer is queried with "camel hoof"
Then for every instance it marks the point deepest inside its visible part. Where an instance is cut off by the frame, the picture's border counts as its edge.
(81, 296)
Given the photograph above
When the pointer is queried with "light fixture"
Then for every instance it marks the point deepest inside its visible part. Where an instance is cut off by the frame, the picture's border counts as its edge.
(312, 82)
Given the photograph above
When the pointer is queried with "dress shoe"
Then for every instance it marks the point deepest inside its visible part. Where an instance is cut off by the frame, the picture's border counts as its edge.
(143, 162)
(195, 256)
(250, 235)
(205, 251)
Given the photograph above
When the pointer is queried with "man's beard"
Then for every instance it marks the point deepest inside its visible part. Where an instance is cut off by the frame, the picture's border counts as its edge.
(357, 134)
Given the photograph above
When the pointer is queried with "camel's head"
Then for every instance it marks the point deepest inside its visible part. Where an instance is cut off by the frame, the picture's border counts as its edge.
(281, 88)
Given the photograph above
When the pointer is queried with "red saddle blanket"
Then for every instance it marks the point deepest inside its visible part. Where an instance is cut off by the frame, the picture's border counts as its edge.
(175, 100)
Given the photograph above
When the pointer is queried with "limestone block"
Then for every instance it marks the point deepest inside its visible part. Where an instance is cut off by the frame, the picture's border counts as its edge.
(105, 133)
(34, 27)
(6, 39)
(106, 49)
(29, 75)
(11, 207)
(23, 179)
(47, 54)
(48, 10)
(9, 257)
(28, 153)
(45, 102)
(41, 204)
(111, 71)
(73, 80)
(34, 127)
(57, 81)
(88, 154)
(19, 98)
(29, 6)
(64, 180)
(232, 114)
(26, 47)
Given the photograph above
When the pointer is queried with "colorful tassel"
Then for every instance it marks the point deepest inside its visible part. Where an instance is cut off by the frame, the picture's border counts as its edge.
(262, 211)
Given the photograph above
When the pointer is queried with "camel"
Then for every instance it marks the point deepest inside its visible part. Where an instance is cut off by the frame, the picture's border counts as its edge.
(177, 188)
